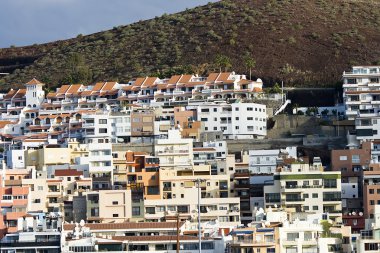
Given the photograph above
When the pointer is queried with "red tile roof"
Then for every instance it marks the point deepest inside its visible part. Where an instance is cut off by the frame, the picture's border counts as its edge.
(34, 81)
(68, 172)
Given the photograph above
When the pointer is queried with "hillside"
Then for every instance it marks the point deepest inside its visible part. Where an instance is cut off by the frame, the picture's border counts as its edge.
(303, 42)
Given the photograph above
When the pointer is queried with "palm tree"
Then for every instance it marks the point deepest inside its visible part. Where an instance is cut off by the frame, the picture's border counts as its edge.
(250, 63)
(223, 61)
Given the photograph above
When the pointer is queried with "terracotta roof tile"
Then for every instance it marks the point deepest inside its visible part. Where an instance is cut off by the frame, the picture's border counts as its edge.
(185, 78)
(10, 94)
(139, 81)
(223, 77)
(174, 79)
(150, 81)
(63, 89)
(108, 86)
(98, 87)
(20, 93)
(34, 81)
(74, 88)
(67, 172)
(212, 77)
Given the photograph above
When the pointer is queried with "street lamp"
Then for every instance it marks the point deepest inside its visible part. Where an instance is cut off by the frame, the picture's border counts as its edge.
(198, 181)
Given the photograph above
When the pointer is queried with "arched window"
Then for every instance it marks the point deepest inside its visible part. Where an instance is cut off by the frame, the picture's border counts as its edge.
(27, 116)
(34, 105)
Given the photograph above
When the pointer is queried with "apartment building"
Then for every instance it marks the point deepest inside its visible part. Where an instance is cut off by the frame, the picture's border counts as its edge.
(351, 163)
(142, 171)
(265, 161)
(36, 232)
(369, 239)
(300, 236)
(362, 99)
(174, 152)
(236, 121)
(371, 190)
(306, 188)
(142, 122)
(255, 239)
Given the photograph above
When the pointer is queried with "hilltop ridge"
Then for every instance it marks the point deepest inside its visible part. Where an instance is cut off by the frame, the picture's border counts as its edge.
(303, 42)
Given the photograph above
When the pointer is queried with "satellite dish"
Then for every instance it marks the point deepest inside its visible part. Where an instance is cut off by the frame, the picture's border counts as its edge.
(353, 213)
(81, 223)
(360, 214)
(120, 140)
(275, 205)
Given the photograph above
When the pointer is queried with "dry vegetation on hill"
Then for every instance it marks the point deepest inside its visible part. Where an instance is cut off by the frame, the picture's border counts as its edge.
(303, 42)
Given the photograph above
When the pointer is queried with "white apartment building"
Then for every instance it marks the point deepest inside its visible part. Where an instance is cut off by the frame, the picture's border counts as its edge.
(225, 210)
(236, 121)
(174, 152)
(300, 236)
(361, 94)
(369, 239)
(265, 161)
(306, 188)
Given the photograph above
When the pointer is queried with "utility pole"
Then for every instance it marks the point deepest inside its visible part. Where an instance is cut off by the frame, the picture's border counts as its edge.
(198, 182)
(177, 232)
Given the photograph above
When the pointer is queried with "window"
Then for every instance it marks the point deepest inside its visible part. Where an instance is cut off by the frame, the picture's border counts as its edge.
(115, 202)
(139, 178)
(40, 188)
(315, 208)
(215, 109)
(356, 158)
(237, 127)
(306, 208)
(237, 109)
(305, 196)
(136, 211)
(160, 209)
(203, 119)
(315, 195)
(115, 215)
(215, 128)
(372, 202)
(205, 110)
(236, 118)
(343, 158)
(371, 246)
(150, 210)
(102, 121)
(250, 128)
(249, 118)
(249, 108)
(37, 201)
(315, 182)
(102, 130)
(182, 196)
(153, 190)
(371, 191)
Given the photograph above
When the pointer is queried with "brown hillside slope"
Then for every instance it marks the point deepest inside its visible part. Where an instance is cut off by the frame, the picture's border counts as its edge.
(303, 42)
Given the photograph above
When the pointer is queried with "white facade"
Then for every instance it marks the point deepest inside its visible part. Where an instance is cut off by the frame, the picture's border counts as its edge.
(174, 151)
(300, 236)
(306, 189)
(16, 159)
(265, 161)
(361, 94)
(236, 121)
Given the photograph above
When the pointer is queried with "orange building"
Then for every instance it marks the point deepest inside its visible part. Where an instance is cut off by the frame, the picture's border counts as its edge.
(13, 205)
(142, 175)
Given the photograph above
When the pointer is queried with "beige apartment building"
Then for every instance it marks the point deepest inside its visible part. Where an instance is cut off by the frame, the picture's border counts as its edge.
(48, 155)
(109, 206)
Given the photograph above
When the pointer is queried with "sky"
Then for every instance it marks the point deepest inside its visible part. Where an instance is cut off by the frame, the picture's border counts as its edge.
(25, 22)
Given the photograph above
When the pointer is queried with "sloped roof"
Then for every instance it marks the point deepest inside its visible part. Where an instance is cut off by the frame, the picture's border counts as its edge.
(126, 225)
(34, 81)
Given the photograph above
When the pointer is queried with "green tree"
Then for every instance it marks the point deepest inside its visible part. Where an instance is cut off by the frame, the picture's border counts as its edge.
(78, 71)
(250, 63)
(223, 61)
